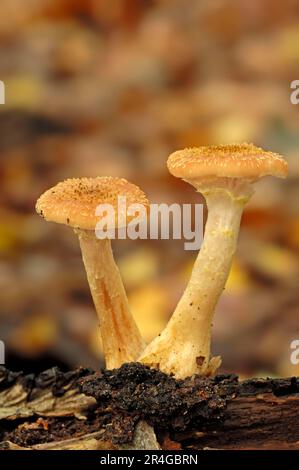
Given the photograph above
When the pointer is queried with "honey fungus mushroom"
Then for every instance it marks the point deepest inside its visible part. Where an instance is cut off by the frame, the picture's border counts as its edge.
(225, 176)
(73, 202)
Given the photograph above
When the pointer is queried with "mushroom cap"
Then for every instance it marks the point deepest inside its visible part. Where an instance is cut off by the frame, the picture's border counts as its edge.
(74, 201)
(232, 161)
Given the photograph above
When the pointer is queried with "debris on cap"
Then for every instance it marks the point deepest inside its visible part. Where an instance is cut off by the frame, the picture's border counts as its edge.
(74, 201)
(235, 161)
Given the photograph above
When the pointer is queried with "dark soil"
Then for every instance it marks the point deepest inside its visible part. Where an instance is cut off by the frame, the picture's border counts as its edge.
(134, 392)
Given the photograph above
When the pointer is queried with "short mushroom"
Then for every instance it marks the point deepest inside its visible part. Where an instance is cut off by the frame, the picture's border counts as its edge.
(74, 202)
(224, 175)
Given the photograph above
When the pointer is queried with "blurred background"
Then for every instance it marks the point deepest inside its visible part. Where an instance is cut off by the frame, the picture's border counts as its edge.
(97, 87)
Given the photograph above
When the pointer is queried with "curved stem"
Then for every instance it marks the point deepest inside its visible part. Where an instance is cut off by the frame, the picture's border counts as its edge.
(183, 348)
(121, 338)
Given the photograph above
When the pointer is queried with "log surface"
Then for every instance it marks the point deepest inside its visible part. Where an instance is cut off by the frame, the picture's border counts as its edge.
(85, 410)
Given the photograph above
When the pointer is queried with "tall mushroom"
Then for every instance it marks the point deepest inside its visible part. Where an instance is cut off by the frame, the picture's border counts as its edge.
(74, 202)
(224, 175)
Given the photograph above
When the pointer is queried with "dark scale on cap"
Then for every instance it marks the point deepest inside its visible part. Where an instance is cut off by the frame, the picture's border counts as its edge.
(74, 201)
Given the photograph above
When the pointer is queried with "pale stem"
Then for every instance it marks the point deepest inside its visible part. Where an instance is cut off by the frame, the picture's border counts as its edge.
(121, 338)
(183, 348)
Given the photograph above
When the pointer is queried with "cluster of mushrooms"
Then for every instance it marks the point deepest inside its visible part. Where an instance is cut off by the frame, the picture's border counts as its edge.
(224, 175)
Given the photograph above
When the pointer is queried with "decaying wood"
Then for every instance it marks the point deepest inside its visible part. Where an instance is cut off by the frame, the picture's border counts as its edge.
(144, 439)
(88, 442)
(85, 410)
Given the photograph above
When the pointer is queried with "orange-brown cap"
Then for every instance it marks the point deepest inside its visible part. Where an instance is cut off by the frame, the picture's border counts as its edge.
(235, 161)
(74, 201)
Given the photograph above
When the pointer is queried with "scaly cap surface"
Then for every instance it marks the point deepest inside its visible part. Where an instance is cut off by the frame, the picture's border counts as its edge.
(235, 161)
(74, 201)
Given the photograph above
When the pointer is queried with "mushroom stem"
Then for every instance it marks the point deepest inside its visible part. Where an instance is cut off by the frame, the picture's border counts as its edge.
(121, 339)
(183, 348)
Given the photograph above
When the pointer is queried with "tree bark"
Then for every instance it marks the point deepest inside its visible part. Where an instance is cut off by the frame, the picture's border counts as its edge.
(85, 410)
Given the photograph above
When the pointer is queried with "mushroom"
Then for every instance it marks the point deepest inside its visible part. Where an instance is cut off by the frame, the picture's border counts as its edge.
(74, 202)
(224, 175)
